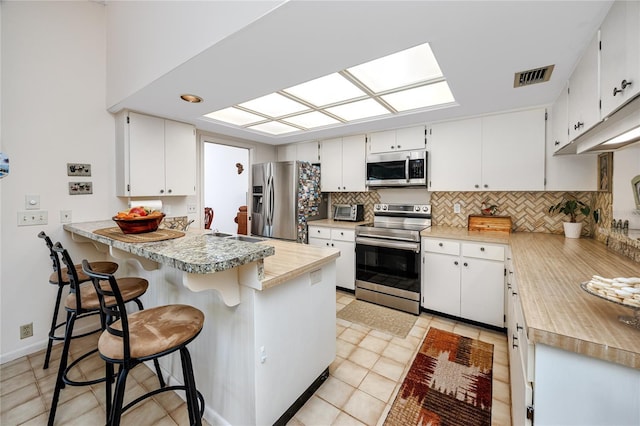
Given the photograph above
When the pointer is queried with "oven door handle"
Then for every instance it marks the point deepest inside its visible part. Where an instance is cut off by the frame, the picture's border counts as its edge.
(386, 237)
(415, 247)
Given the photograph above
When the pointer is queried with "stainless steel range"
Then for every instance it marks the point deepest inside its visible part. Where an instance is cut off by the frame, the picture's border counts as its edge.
(388, 256)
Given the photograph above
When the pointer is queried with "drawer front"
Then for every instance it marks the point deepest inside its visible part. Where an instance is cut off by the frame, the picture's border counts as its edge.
(483, 251)
(441, 246)
(319, 232)
(343, 234)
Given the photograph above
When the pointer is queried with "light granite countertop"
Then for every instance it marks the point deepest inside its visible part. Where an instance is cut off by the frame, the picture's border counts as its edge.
(196, 252)
(548, 270)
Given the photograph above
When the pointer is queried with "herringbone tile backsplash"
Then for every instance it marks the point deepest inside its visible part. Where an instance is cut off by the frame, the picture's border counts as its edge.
(529, 211)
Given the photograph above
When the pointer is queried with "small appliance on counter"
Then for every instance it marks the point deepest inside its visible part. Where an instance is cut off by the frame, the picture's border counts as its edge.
(348, 212)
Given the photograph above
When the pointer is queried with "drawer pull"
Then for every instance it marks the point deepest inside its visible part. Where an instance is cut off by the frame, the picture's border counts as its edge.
(519, 327)
(514, 344)
(455, 263)
(481, 248)
(440, 244)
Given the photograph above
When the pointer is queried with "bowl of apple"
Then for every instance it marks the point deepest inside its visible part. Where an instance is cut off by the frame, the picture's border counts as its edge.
(138, 220)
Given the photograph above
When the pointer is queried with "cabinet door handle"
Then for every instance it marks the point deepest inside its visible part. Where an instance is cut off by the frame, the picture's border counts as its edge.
(514, 339)
(162, 191)
(169, 191)
(624, 84)
(578, 125)
(465, 264)
(486, 186)
(398, 146)
(455, 263)
(556, 143)
(476, 186)
(440, 244)
(481, 248)
(616, 91)
(519, 327)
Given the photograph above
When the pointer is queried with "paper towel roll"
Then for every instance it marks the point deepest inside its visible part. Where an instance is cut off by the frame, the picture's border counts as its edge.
(149, 204)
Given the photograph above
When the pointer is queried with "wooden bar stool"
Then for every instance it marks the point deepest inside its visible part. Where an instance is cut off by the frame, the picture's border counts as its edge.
(143, 336)
(81, 301)
(60, 277)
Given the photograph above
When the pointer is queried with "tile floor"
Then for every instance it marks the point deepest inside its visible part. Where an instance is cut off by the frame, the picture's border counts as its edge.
(365, 377)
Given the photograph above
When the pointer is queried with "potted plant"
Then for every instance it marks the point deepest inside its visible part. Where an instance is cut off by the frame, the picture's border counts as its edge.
(571, 207)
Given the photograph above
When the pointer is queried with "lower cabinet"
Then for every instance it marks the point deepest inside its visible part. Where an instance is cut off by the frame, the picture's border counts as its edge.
(464, 279)
(344, 240)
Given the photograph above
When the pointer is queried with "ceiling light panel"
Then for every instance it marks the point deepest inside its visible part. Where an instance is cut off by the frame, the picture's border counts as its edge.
(326, 90)
(312, 119)
(274, 128)
(274, 105)
(399, 69)
(235, 116)
(420, 97)
(358, 110)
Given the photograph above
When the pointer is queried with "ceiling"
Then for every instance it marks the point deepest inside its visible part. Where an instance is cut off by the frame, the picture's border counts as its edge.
(478, 44)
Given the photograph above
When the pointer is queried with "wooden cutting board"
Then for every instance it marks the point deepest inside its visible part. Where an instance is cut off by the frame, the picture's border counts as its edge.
(489, 223)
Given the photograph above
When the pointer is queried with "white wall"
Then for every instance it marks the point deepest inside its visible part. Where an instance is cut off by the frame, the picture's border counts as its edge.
(53, 91)
(626, 166)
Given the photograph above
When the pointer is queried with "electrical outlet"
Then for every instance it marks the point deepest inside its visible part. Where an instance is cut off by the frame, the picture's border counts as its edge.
(40, 217)
(76, 188)
(191, 208)
(75, 169)
(26, 330)
(65, 216)
(456, 208)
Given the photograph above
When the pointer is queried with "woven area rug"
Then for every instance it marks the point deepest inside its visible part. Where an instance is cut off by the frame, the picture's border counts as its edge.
(147, 237)
(384, 319)
(449, 383)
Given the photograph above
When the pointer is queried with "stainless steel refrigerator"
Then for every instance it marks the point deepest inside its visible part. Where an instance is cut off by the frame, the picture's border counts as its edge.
(286, 195)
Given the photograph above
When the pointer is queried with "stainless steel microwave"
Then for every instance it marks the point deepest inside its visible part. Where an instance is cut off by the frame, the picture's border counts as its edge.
(408, 168)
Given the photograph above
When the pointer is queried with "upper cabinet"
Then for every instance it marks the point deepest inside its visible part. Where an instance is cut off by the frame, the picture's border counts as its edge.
(154, 156)
(502, 152)
(559, 135)
(584, 111)
(407, 139)
(343, 164)
(305, 151)
(620, 55)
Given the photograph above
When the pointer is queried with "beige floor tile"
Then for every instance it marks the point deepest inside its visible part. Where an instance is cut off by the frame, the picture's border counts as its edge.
(295, 422)
(501, 373)
(344, 348)
(374, 344)
(500, 356)
(398, 353)
(364, 407)
(47, 384)
(378, 386)
(339, 306)
(16, 382)
(388, 368)
(166, 421)
(352, 336)
(19, 397)
(350, 373)
(384, 415)
(147, 412)
(424, 320)
(380, 335)
(340, 329)
(96, 416)
(317, 412)
(364, 357)
(14, 368)
(22, 413)
(418, 332)
(335, 391)
(76, 407)
(345, 300)
(500, 413)
(501, 391)
(494, 337)
(40, 420)
(442, 323)
(343, 323)
(345, 419)
(335, 364)
(181, 416)
(467, 331)
(360, 327)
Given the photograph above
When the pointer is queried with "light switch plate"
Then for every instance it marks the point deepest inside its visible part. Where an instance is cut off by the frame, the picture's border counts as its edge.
(65, 216)
(32, 202)
(76, 188)
(39, 217)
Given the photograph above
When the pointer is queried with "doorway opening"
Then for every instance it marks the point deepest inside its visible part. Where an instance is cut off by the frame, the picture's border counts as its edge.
(226, 185)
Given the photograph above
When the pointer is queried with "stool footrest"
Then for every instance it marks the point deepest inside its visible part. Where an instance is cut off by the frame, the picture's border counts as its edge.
(68, 381)
(165, 389)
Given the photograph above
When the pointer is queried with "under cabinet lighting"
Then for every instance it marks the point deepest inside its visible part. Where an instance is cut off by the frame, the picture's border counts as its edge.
(407, 80)
(625, 137)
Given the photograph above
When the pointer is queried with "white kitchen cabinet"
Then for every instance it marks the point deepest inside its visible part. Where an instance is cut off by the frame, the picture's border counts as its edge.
(513, 146)
(406, 139)
(619, 56)
(304, 151)
(559, 121)
(464, 279)
(584, 97)
(503, 152)
(343, 166)
(343, 240)
(154, 156)
(455, 149)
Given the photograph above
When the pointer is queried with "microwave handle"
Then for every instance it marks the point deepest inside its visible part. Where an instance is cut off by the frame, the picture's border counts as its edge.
(406, 168)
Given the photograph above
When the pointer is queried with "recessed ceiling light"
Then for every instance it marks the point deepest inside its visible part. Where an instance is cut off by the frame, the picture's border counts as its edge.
(191, 98)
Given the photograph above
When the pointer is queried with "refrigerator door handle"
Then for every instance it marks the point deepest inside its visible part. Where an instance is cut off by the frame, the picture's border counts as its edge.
(271, 203)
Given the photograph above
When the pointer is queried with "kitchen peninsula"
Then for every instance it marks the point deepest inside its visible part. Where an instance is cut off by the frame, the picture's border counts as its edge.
(269, 332)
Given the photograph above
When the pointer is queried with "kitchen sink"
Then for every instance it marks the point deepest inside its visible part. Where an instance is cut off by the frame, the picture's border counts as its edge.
(246, 239)
(219, 234)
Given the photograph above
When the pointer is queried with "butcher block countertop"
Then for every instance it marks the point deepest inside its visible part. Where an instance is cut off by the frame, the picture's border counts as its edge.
(330, 223)
(548, 271)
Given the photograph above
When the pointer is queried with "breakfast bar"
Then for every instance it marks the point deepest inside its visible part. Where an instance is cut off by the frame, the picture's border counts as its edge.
(269, 332)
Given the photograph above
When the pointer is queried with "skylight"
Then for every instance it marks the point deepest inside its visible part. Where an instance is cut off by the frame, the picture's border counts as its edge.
(404, 81)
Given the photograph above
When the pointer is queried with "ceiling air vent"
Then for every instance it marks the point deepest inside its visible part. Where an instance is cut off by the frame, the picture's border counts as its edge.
(529, 77)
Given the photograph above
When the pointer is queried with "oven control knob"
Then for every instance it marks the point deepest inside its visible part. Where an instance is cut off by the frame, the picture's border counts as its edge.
(377, 206)
(425, 209)
(384, 207)
(416, 208)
